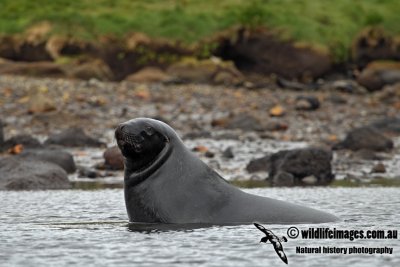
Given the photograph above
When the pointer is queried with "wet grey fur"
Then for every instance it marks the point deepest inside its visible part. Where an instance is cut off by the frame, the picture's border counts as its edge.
(185, 190)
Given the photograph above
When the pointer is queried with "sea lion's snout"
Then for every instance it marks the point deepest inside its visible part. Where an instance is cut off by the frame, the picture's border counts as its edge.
(126, 140)
(137, 137)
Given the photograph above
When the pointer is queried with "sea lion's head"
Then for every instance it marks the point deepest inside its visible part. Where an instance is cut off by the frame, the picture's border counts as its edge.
(145, 145)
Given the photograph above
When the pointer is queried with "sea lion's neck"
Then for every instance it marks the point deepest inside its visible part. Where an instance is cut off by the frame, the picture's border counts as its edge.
(134, 177)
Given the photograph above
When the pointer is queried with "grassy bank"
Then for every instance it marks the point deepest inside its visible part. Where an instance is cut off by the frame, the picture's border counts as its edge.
(330, 23)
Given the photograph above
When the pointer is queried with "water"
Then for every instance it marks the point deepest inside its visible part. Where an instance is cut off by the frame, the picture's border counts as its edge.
(89, 228)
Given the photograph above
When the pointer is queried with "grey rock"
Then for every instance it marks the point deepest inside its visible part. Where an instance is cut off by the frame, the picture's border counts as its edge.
(259, 165)
(113, 159)
(59, 157)
(365, 138)
(25, 140)
(244, 122)
(73, 137)
(388, 125)
(17, 174)
(228, 153)
(301, 163)
(307, 103)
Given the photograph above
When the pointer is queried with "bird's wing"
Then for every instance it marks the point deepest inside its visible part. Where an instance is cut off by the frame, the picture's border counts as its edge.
(279, 250)
(263, 229)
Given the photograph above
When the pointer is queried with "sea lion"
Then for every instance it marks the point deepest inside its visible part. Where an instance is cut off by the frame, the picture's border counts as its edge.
(166, 183)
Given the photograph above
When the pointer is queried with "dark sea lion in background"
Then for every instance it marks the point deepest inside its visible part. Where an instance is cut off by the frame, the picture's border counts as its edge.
(167, 183)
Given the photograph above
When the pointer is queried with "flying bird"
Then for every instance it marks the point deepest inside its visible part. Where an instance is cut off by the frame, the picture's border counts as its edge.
(275, 241)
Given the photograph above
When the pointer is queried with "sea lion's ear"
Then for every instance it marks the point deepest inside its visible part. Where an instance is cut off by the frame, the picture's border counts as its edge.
(149, 130)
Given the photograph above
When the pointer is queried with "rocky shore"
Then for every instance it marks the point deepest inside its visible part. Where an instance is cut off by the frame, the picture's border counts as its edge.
(330, 133)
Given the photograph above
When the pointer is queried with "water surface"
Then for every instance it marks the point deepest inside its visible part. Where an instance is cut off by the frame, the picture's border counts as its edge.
(90, 228)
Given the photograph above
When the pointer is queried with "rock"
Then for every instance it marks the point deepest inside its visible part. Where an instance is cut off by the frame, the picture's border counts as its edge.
(87, 173)
(337, 99)
(201, 149)
(276, 126)
(390, 125)
(17, 174)
(310, 180)
(59, 157)
(209, 154)
(378, 74)
(365, 138)
(283, 179)
(346, 86)
(259, 50)
(277, 111)
(227, 78)
(25, 140)
(228, 153)
(307, 103)
(301, 163)
(259, 165)
(92, 69)
(41, 102)
(73, 137)
(390, 94)
(38, 69)
(244, 122)
(113, 159)
(366, 154)
(198, 134)
(292, 85)
(226, 136)
(379, 168)
(149, 75)
(191, 70)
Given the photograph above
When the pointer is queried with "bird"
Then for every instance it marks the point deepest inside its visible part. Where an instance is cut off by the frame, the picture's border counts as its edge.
(275, 241)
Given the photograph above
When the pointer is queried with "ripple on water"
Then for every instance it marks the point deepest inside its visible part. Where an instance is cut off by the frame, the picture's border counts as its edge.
(90, 228)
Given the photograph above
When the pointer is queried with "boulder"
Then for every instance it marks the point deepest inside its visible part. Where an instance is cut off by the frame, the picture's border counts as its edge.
(365, 138)
(259, 165)
(228, 153)
(59, 157)
(378, 74)
(17, 174)
(390, 125)
(307, 102)
(113, 159)
(25, 140)
(73, 137)
(313, 165)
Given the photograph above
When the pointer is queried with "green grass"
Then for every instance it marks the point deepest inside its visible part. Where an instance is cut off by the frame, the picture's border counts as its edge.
(330, 23)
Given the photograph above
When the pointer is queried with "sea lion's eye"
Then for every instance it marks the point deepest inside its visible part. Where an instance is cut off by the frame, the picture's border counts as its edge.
(149, 130)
